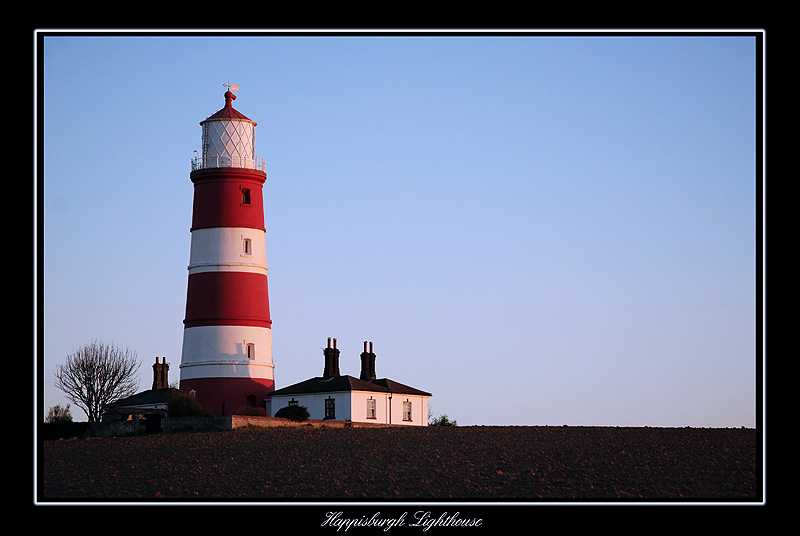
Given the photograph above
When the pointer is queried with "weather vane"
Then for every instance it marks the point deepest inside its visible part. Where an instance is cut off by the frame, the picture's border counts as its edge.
(234, 87)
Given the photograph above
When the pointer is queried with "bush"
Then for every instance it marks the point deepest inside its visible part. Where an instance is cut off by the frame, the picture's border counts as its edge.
(58, 413)
(184, 404)
(442, 420)
(250, 410)
(294, 413)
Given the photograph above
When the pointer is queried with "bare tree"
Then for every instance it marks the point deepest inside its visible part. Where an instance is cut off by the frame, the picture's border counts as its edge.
(96, 375)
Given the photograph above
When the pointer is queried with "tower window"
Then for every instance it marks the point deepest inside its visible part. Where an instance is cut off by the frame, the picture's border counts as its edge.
(248, 246)
(245, 196)
(250, 350)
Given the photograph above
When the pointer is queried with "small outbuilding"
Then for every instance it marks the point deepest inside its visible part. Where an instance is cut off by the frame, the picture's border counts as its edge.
(147, 407)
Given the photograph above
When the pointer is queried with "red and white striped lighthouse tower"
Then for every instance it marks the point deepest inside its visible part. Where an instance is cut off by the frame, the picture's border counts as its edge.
(227, 337)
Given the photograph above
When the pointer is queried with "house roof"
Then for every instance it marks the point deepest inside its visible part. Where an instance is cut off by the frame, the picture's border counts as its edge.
(347, 383)
(152, 396)
(399, 388)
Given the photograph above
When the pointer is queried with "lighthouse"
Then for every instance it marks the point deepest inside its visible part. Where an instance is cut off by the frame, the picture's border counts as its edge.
(227, 337)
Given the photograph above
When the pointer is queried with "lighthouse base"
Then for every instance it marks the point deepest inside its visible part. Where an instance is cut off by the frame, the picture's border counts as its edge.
(224, 396)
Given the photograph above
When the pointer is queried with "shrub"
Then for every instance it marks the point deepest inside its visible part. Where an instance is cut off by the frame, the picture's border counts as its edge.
(294, 413)
(58, 413)
(250, 410)
(184, 404)
(443, 420)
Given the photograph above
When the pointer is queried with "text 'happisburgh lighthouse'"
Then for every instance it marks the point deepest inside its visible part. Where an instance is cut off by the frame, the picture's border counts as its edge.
(227, 338)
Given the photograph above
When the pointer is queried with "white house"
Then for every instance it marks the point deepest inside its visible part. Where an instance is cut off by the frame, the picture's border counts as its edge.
(346, 398)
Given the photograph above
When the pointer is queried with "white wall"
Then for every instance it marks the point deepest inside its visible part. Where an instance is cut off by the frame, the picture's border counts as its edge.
(359, 404)
(352, 406)
(315, 402)
(419, 410)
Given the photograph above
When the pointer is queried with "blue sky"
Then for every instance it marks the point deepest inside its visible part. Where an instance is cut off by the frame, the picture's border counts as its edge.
(538, 230)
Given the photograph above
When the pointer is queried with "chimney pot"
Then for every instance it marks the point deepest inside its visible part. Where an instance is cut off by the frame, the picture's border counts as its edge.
(160, 371)
(331, 360)
(368, 363)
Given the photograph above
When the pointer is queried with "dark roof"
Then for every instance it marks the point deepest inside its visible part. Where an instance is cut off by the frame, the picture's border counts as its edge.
(153, 396)
(228, 112)
(397, 387)
(347, 383)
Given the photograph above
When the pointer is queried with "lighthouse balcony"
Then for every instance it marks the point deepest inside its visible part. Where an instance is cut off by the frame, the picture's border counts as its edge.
(227, 162)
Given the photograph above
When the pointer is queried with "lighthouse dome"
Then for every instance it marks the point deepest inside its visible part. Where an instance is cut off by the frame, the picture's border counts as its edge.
(228, 139)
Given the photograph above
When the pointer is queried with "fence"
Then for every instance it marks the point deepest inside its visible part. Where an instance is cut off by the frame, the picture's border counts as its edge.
(227, 161)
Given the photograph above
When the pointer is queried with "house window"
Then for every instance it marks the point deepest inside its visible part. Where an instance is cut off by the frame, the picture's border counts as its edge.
(250, 349)
(293, 402)
(245, 196)
(330, 408)
(406, 410)
(371, 408)
(248, 246)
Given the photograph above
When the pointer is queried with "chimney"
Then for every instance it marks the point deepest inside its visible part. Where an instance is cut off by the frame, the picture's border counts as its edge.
(368, 363)
(331, 360)
(160, 374)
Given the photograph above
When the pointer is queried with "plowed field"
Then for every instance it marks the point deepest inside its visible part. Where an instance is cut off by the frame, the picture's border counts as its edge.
(476, 463)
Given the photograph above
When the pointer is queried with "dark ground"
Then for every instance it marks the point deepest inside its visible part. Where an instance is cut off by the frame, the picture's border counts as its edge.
(476, 463)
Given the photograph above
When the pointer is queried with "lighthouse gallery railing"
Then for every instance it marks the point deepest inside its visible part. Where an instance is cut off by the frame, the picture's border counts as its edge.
(228, 161)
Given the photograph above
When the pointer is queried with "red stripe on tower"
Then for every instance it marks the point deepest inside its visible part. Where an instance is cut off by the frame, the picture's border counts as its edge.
(227, 298)
(227, 342)
(228, 197)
